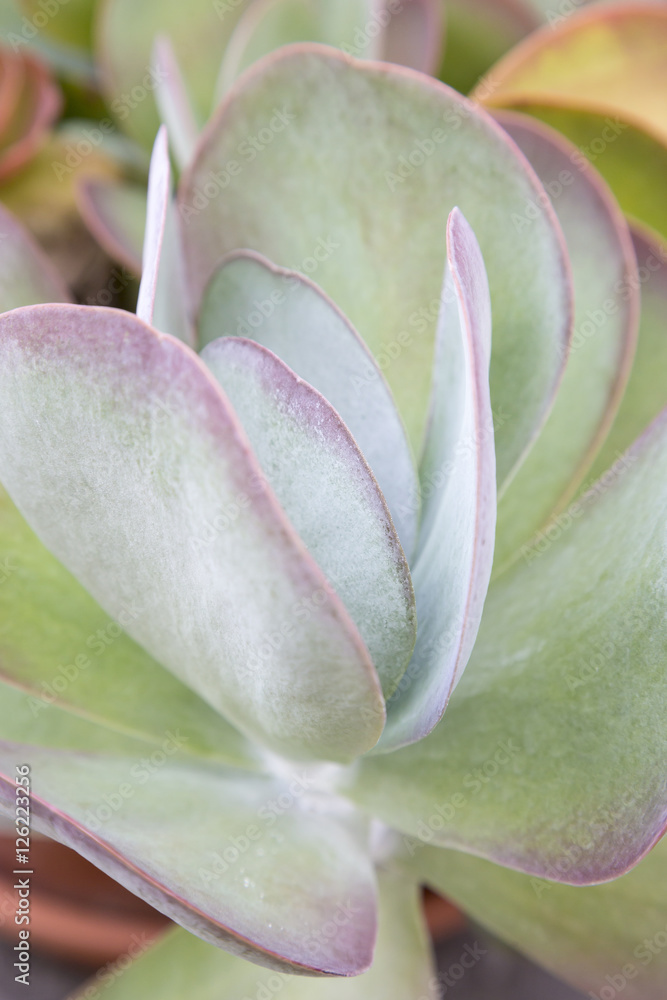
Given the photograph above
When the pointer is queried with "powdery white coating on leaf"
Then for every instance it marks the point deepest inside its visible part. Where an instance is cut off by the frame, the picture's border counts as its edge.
(142, 483)
(250, 297)
(453, 565)
(271, 902)
(329, 494)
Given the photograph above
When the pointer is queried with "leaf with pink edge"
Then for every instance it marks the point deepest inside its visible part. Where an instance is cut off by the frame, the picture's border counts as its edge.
(193, 842)
(632, 162)
(144, 485)
(327, 490)
(180, 964)
(646, 392)
(603, 343)
(452, 566)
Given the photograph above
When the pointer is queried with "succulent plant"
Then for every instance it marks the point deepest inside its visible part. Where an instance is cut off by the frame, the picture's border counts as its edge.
(258, 659)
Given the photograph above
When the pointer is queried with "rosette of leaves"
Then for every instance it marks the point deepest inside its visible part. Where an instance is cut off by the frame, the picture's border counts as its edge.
(255, 648)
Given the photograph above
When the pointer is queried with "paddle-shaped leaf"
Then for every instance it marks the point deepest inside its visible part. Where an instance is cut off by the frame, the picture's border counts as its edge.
(181, 964)
(551, 757)
(248, 863)
(453, 563)
(327, 490)
(286, 312)
(603, 342)
(143, 484)
(161, 301)
(338, 137)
